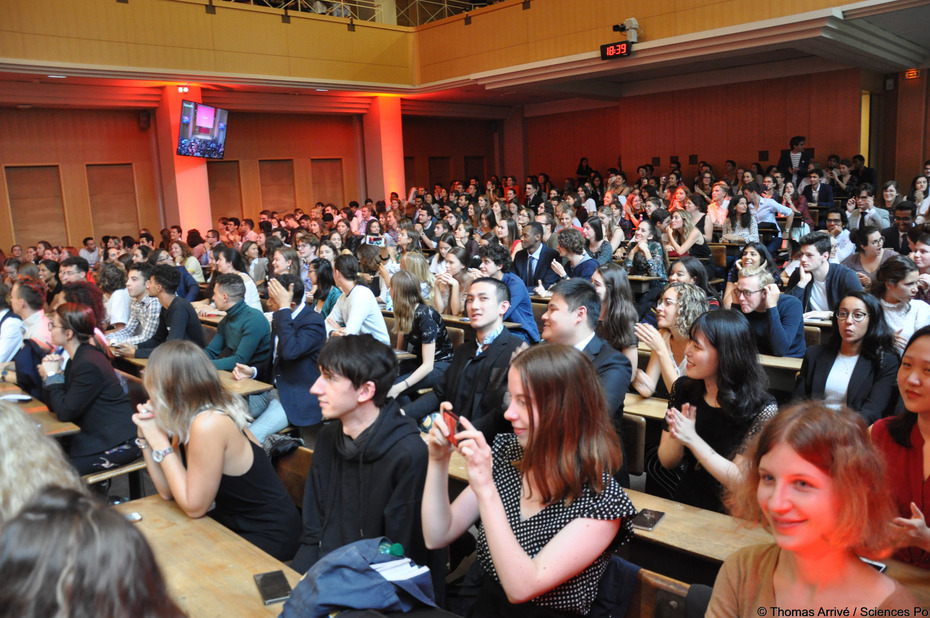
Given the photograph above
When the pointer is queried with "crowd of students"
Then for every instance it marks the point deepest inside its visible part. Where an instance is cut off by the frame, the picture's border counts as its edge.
(540, 403)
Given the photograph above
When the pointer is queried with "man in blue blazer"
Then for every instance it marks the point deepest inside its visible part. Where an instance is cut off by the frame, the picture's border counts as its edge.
(533, 263)
(818, 193)
(298, 333)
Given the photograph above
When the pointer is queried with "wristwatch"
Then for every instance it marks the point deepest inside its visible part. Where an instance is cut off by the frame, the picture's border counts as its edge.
(158, 456)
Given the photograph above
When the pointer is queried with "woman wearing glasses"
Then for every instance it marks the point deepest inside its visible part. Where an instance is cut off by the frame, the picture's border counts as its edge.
(870, 254)
(857, 368)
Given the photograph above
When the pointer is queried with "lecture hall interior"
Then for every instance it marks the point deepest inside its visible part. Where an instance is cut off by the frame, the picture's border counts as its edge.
(331, 109)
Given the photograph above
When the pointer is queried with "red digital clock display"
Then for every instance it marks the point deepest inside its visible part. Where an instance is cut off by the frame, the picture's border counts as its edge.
(616, 50)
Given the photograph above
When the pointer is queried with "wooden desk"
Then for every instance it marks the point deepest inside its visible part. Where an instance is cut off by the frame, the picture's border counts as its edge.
(208, 568)
(403, 355)
(211, 320)
(40, 413)
(651, 408)
(640, 284)
(240, 387)
(455, 320)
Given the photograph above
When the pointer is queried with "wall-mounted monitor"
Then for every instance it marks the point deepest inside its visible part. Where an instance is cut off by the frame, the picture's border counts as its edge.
(203, 131)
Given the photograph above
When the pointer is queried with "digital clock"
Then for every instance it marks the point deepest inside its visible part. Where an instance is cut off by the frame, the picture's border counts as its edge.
(616, 50)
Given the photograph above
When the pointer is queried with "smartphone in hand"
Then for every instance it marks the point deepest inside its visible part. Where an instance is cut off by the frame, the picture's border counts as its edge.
(453, 424)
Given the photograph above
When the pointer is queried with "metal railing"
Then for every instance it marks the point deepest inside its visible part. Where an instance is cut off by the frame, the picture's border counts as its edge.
(409, 12)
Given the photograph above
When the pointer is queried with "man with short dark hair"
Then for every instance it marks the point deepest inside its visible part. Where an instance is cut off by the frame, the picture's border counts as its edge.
(143, 309)
(243, 336)
(533, 263)
(862, 209)
(174, 233)
(90, 251)
(178, 319)
(818, 192)
(369, 464)
(532, 197)
(357, 310)
(247, 229)
(28, 302)
(895, 235)
(297, 334)
(495, 263)
(476, 380)
(793, 162)
(818, 283)
(571, 319)
(74, 268)
(836, 227)
(547, 221)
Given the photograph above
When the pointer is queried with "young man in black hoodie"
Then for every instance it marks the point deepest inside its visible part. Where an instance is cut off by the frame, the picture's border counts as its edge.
(369, 465)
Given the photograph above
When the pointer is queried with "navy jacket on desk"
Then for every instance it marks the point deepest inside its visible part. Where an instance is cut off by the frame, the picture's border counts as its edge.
(543, 270)
(871, 393)
(91, 397)
(295, 365)
(483, 401)
(840, 280)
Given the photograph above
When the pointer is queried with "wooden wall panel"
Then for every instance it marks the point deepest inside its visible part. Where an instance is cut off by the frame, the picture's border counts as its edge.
(328, 186)
(72, 139)
(35, 202)
(255, 138)
(112, 192)
(225, 192)
(734, 124)
(449, 141)
(277, 178)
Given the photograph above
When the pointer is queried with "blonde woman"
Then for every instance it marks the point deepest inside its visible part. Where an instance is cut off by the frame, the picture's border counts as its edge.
(190, 408)
(420, 330)
(685, 239)
(416, 264)
(30, 461)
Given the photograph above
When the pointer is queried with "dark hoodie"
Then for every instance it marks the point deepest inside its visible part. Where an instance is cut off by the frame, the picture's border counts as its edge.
(365, 488)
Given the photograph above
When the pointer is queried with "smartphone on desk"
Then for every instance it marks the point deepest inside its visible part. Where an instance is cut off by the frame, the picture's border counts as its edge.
(647, 519)
(273, 587)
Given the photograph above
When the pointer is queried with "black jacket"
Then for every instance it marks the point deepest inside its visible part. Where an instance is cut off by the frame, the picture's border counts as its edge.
(358, 493)
(873, 388)
(543, 270)
(481, 402)
(615, 371)
(91, 397)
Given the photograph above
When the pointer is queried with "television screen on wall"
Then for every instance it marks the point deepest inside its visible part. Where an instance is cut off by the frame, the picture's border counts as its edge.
(203, 131)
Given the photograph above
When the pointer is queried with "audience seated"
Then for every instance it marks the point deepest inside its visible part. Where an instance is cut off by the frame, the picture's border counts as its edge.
(496, 264)
(618, 313)
(776, 319)
(369, 465)
(177, 319)
(533, 263)
(356, 312)
(87, 392)
(896, 283)
(243, 335)
(143, 309)
(190, 409)
(862, 210)
(858, 364)
(895, 235)
(814, 463)
(714, 410)
(869, 256)
(818, 283)
(561, 436)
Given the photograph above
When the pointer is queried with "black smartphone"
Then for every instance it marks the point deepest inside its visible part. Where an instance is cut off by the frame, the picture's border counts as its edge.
(647, 519)
(273, 586)
(454, 425)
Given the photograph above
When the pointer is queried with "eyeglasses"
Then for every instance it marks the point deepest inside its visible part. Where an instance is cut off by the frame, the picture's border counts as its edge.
(835, 221)
(878, 242)
(668, 302)
(857, 316)
(52, 326)
(747, 293)
(902, 219)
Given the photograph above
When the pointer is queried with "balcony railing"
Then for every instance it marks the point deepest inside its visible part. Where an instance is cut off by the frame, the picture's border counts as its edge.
(408, 12)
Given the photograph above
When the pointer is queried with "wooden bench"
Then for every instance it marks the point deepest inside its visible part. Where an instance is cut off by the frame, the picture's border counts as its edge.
(655, 595)
(134, 470)
(292, 470)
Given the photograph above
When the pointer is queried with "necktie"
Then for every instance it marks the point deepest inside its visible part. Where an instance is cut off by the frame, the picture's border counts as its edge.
(530, 269)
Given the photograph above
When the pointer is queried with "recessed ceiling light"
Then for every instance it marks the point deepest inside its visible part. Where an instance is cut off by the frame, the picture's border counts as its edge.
(57, 76)
(322, 89)
(23, 106)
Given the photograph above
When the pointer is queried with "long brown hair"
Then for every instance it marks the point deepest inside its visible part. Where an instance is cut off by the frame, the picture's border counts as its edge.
(405, 292)
(182, 382)
(572, 443)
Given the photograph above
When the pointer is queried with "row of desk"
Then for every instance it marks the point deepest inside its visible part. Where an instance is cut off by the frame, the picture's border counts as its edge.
(40, 413)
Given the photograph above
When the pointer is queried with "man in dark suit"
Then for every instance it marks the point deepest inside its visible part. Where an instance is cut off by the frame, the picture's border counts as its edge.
(817, 192)
(895, 235)
(297, 333)
(476, 380)
(793, 163)
(571, 319)
(533, 263)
